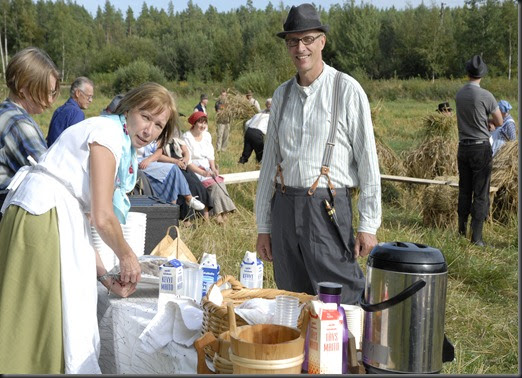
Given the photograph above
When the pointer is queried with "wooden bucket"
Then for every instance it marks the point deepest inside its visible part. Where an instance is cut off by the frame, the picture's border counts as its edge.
(267, 349)
(220, 349)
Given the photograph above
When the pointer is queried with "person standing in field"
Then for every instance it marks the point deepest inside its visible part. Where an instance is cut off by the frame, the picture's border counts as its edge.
(222, 121)
(70, 113)
(202, 104)
(253, 101)
(474, 157)
(294, 228)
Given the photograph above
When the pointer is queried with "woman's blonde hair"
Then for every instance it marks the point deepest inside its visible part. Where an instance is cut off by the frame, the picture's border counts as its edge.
(154, 98)
(31, 68)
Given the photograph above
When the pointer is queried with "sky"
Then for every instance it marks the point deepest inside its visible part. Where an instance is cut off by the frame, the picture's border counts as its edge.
(226, 5)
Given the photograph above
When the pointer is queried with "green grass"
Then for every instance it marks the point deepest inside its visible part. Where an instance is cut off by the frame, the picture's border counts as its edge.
(482, 296)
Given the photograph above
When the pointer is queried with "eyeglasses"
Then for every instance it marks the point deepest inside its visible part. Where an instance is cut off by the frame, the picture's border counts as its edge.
(307, 40)
(89, 97)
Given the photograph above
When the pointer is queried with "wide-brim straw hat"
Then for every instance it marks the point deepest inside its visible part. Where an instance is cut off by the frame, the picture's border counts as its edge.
(302, 18)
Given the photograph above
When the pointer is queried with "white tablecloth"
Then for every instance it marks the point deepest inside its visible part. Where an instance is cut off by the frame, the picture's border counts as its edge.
(121, 321)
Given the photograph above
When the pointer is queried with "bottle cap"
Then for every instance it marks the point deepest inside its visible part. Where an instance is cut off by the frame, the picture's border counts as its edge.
(330, 288)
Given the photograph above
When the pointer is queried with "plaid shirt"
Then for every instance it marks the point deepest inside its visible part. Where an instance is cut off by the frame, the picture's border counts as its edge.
(20, 137)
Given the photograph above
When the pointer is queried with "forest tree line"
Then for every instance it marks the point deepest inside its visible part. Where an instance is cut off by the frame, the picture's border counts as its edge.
(427, 41)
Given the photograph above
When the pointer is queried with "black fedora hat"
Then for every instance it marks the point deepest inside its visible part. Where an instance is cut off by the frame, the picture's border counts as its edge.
(444, 107)
(302, 18)
(476, 66)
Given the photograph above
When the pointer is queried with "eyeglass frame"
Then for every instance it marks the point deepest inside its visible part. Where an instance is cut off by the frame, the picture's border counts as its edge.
(302, 40)
(86, 95)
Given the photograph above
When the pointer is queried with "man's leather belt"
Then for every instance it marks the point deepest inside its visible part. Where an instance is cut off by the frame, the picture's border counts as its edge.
(468, 142)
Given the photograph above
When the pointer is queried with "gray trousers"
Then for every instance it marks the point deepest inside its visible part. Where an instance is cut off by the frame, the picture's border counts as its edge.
(223, 130)
(306, 247)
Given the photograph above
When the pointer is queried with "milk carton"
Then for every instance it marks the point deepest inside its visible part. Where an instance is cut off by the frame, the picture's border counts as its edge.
(210, 271)
(171, 281)
(251, 271)
(325, 348)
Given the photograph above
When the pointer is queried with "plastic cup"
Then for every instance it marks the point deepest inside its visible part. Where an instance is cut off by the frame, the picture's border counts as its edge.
(287, 310)
(354, 320)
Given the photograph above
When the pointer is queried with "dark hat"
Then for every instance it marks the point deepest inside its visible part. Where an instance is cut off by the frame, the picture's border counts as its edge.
(114, 104)
(203, 97)
(476, 66)
(444, 107)
(195, 117)
(302, 18)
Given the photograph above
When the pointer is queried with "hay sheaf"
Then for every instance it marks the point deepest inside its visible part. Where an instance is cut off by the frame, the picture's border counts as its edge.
(389, 161)
(237, 108)
(439, 204)
(436, 156)
(505, 177)
(440, 125)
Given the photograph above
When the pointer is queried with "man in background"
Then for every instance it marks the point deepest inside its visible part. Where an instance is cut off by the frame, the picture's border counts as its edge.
(474, 157)
(255, 134)
(293, 225)
(222, 121)
(202, 105)
(253, 101)
(70, 113)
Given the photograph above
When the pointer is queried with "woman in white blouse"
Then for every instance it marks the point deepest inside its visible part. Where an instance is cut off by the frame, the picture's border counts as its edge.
(48, 266)
(199, 142)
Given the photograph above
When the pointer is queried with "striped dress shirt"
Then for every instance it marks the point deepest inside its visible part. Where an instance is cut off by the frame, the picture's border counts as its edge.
(20, 137)
(302, 137)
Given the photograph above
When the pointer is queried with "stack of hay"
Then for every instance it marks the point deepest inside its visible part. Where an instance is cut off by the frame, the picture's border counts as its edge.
(505, 177)
(238, 109)
(439, 204)
(389, 164)
(437, 154)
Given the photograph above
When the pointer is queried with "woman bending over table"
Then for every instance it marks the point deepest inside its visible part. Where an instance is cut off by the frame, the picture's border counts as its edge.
(48, 266)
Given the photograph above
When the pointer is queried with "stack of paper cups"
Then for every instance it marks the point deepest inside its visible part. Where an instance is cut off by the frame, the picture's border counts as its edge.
(355, 319)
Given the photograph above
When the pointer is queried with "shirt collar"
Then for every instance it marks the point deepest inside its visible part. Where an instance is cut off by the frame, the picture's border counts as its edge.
(317, 83)
(72, 101)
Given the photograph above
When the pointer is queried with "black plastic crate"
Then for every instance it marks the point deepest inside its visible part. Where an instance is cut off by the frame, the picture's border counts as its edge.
(160, 216)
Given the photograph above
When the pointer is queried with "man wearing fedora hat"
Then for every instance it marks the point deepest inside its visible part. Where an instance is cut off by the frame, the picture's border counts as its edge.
(306, 243)
(253, 101)
(474, 158)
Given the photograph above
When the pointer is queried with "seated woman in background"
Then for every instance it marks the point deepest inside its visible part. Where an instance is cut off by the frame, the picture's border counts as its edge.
(176, 152)
(166, 179)
(505, 132)
(202, 163)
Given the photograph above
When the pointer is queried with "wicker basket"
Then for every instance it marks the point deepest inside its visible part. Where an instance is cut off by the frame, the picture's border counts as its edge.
(215, 318)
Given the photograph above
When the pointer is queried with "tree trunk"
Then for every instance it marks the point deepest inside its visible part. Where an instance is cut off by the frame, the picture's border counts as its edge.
(510, 53)
(63, 59)
(5, 41)
(2, 56)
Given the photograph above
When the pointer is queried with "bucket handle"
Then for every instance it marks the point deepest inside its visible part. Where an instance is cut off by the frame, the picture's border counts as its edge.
(403, 295)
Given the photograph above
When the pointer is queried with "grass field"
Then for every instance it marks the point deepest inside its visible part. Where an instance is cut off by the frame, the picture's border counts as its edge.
(482, 297)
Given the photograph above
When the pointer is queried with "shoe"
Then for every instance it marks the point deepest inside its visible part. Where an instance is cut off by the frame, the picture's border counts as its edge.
(196, 204)
(476, 235)
(463, 226)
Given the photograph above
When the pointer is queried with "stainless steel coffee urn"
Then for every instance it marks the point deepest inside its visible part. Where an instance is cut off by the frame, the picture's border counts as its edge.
(404, 303)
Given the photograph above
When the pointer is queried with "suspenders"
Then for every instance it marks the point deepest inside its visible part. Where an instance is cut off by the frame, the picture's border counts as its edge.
(330, 143)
